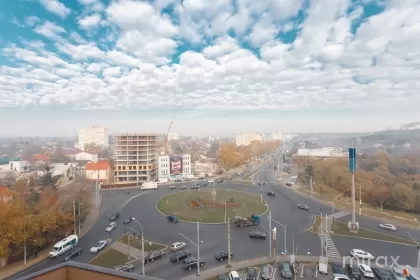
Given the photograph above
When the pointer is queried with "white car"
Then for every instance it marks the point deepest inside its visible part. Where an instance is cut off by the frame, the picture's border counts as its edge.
(361, 254)
(366, 271)
(111, 227)
(178, 246)
(390, 227)
(99, 246)
(211, 181)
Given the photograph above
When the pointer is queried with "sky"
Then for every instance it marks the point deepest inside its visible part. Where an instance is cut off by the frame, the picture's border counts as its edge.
(222, 66)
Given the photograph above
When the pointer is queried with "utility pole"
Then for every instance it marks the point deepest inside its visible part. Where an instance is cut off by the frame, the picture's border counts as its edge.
(79, 217)
(229, 258)
(360, 200)
(74, 216)
(322, 239)
(269, 232)
(275, 242)
(311, 185)
(198, 248)
(225, 212)
(326, 234)
(352, 167)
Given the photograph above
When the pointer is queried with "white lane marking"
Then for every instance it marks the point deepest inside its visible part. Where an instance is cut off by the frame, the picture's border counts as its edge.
(258, 275)
(301, 273)
(265, 229)
(131, 198)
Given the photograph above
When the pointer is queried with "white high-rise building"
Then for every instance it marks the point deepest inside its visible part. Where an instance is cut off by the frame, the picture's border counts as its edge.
(96, 135)
(174, 166)
(245, 139)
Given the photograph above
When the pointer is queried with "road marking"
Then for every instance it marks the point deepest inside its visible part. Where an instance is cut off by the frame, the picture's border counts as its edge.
(301, 274)
(316, 271)
(258, 275)
(274, 272)
(195, 244)
(131, 198)
(265, 229)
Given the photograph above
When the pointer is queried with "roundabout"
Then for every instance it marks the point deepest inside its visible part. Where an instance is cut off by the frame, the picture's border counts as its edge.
(211, 208)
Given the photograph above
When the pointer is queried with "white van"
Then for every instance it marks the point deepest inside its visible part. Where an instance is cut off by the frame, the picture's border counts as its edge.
(233, 275)
(63, 246)
(149, 186)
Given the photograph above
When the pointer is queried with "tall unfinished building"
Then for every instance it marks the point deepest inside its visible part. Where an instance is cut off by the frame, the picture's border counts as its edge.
(135, 158)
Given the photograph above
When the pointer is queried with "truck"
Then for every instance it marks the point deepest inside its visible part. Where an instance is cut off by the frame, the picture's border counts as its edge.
(189, 177)
(163, 181)
(252, 220)
(149, 186)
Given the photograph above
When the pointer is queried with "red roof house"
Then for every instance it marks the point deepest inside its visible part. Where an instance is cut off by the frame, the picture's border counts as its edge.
(100, 170)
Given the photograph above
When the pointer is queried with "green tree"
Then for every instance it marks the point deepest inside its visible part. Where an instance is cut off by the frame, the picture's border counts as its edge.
(402, 197)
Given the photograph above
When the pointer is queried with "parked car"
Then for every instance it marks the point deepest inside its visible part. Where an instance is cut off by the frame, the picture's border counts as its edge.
(154, 256)
(124, 267)
(360, 254)
(233, 275)
(222, 277)
(337, 268)
(128, 220)
(72, 254)
(179, 256)
(271, 194)
(383, 274)
(114, 216)
(111, 227)
(223, 255)
(257, 235)
(211, 181)
(172, 188)
(251, 273)
(398, 272)
(172, 219)
(366, 271)
(183, 187)
(354, 272)
(337, 276)
(99, 246)
(303, 207)
(192, 262)
(178, 246)
(390, 227)
(285, 270)
(266, 272)
(194, 187)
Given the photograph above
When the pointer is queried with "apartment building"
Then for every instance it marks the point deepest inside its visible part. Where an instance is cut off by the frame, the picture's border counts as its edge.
(135, 158)
(174, 166)
(96, 135)
(245, 139)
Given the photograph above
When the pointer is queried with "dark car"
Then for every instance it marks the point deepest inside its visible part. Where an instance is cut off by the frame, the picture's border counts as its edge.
(337, 268)
(271, 194)
(220, 181)
(286, 270)
(223, 255)
(172, 219)
(203, 185)
(192, 262)
(194, 187)
(128, 220)
(178, 180)
(196, 184)
(222, 277)
(154, 256)
(114, 216)
(257, 235)
(303, 207)
(383, 274)
(72, 254)
(172, 188)
(251, 273)
(179, 256)
(124, 267)
(353, 272)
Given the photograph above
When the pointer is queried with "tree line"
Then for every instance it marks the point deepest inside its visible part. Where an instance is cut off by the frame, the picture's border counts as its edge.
(38, 216)
(386, 182)
(231, 156)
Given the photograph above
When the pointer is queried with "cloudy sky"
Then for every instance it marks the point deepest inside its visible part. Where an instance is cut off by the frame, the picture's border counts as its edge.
(222, 65)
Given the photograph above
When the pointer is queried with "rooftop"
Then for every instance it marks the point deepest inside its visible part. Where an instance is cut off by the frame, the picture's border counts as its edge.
(100, 165)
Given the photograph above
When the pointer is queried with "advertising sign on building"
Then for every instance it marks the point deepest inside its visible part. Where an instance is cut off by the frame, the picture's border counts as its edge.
(175, 165)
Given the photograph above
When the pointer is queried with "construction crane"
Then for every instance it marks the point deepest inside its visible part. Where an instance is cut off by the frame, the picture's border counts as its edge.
(166, 136)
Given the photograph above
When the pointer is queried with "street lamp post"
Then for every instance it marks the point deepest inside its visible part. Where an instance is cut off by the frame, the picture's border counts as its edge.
(285, 232)
(142, 247)
(418, 249)
(360, 200)
(338, 196)
(198, 248)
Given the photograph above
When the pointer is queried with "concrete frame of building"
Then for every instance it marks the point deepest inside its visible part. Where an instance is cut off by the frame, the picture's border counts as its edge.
(164, 170)
(135, 158)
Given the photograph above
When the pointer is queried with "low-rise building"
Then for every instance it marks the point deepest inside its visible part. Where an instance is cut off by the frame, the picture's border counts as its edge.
(100, 171)
(174, 166)
(86, 157)
(20, 166)
(66, 170)
(41, 159)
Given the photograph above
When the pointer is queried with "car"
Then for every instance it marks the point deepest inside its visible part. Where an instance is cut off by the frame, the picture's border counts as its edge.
(353, 271)
(251, 273)
(366, 271)
(220, 181)
(266, 272)
(338, 276)
(233, 275)
(271, 194)
(124, 267)
(390, 227)
(179, 256)
(72, 254)
(128, 220)
(192, 262)
(211, 181)
(172, 219)
(111, 227)
(289, 184)
(222, 277)
(303, 207)
(183, 187)
(194, 187)
(229, 177)
(99, 246)
(285, 270)
(398, 272)
(383, 274)
(178, 246)
(196, 184)
(337, 268)
(152, 256)
(114, 216)
(178, 180)
(172, 188)
(203, 185)
(223, 255)
(257, 235)
(360, 254)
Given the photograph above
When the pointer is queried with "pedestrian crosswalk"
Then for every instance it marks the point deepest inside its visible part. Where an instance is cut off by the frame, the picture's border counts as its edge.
(326, 242)
(339, 215)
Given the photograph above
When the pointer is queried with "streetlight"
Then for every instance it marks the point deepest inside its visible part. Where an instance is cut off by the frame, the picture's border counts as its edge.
(142, 247)
(360, 200)
(338, 196)
(418, 250)
(285, 232)
(196, 244)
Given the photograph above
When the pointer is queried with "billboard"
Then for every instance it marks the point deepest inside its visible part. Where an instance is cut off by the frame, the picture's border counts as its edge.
(175, 165)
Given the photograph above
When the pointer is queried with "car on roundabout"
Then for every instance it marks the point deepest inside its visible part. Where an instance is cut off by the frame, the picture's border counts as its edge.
(128, 219)
(152, 256)
(178, 246)
(257, 235)
(192, 262)
(222, 255)
(72, 254)
(98, 247)
(211, 181)
(303, 207)
(271, 194)
(179, 256)
(111, 227)
(358, 253)
(183, 187)
(389, 227)
(114, 216)
(172, 188)
(172, 219)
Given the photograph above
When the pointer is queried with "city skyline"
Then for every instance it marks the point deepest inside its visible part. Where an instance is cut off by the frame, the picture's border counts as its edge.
(295, 66)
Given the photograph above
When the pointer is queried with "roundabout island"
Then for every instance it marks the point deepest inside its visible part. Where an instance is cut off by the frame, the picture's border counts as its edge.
(208, 207)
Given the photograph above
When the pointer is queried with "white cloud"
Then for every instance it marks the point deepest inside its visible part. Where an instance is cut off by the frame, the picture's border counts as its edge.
(112, 72)
(88, 2)
(222, 46)
(91, 21)
(81, 52)
(56, 7)
(50, 30)
(263, 31)
(31, 21)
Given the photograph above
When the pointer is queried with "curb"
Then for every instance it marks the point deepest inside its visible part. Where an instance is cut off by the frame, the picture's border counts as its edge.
(202, 223)
(94, 220)
(379, 240)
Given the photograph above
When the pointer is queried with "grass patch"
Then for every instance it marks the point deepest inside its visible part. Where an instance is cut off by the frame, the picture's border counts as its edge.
(179, 205)
(136, 243)
(110, 258)
(341, 228)
(316, 224)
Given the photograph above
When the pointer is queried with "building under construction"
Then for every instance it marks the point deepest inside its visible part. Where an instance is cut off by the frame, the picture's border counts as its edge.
(135, 158)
